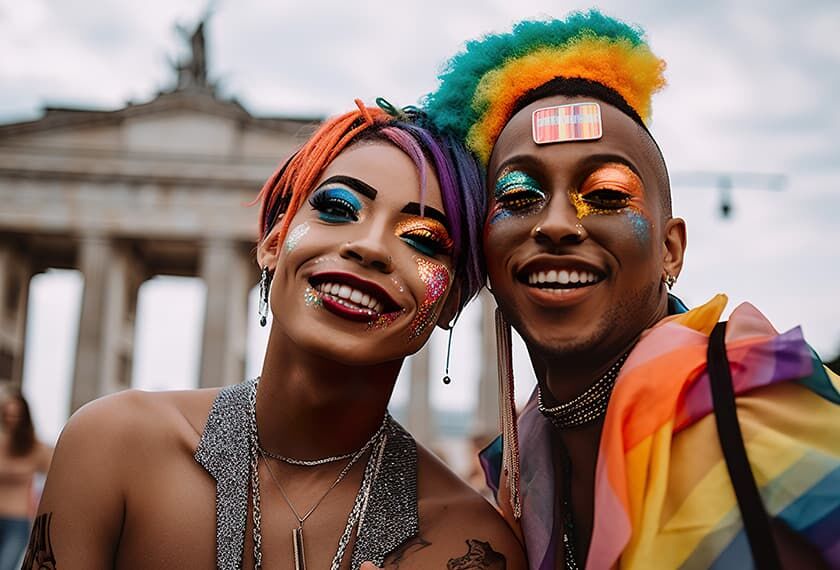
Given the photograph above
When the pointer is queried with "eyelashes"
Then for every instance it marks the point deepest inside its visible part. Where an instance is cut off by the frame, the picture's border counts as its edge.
(516, 193)
(426, 236)
(336, 205)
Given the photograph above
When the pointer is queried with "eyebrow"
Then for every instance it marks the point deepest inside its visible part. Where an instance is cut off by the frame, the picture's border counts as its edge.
(359, 186)
(413, 208)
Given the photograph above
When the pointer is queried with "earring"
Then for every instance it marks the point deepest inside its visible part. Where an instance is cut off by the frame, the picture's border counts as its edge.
(507, 412)
(265, 281)
(446, 379)
(669, 280)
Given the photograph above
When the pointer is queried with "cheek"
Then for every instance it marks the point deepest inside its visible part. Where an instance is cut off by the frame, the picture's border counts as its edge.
(295, 236)
(435, 278)
(641, 226)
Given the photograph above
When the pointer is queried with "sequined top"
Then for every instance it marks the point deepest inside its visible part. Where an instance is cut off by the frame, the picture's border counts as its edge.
(391, 517)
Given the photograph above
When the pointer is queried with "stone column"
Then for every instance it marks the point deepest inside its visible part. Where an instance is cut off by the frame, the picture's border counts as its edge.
(229, 274)
(420, 417)
(487, 412)
(104, 355)
(15, 275)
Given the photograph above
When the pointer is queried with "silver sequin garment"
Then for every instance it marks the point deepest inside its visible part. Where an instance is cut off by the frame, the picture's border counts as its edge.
(391, 517)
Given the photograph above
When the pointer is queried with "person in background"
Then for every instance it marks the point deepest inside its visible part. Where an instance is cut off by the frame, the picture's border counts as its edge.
(22, 456)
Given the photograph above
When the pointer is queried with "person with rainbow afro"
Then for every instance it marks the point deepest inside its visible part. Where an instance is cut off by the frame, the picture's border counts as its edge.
(657, 436)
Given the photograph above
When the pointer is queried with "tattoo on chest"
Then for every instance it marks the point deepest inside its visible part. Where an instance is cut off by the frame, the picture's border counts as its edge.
(480, 556)
(39, 553)
(408, 548)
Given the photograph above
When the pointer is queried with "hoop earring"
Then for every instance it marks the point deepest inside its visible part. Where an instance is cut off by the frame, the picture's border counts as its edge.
(446, 379)
(507, 412)
(265, 282)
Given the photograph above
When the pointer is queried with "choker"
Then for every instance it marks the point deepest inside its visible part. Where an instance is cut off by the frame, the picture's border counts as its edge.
(588, 406)
(324, 460)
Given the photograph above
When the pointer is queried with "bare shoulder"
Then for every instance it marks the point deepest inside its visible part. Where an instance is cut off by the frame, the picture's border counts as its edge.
(134, 416)
(459, 529)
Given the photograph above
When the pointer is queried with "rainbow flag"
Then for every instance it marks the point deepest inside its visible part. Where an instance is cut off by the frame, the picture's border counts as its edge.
(663, 498)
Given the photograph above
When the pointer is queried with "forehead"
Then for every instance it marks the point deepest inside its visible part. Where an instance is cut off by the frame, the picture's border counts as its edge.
(385, 167)
(622, 138)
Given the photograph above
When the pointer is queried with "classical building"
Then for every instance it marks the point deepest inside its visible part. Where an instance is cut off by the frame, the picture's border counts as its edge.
(156, 188)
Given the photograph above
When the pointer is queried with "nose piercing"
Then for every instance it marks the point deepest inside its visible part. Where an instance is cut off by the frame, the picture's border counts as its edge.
(579, 229)
(537, 232)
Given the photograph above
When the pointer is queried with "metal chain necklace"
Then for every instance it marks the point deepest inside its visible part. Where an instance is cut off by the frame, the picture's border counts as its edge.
(377, 440)
(588, 406)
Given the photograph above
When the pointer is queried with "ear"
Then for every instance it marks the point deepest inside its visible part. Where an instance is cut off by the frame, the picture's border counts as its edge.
(449, 313)
(675, 243)
(269, 249)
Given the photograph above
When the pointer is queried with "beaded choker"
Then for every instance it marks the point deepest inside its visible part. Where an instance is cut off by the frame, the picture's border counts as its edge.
(588, 406)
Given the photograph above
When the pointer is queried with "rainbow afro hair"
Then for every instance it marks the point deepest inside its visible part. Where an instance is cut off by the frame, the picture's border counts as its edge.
(480, 87)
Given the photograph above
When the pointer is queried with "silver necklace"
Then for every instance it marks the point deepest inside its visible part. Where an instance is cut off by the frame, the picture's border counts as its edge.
(588, 406)
(356, 514)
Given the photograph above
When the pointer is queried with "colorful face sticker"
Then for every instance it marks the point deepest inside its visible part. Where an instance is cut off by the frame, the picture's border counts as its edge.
(295, 235)
(436, 278)
(426, 235)
(566, 123)
(614, 189)
(515, 193)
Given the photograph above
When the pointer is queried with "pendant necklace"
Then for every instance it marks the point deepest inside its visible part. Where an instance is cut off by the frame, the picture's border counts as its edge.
(377, 441)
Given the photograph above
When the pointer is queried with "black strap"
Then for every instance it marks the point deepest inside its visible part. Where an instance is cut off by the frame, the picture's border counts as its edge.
(756, 521)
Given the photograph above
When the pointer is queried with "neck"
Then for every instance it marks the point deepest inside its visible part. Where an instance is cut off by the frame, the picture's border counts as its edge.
(309, 407)
(562, 375)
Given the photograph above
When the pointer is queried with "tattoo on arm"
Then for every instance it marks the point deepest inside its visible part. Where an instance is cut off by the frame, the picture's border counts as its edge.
(409, 547)
(39, 553)
(480, 556)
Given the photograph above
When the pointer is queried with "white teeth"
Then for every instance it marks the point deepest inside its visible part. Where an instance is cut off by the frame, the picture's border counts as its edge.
(347, 293)
(562, 276)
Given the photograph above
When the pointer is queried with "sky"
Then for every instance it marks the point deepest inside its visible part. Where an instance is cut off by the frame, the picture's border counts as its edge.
(752, 90)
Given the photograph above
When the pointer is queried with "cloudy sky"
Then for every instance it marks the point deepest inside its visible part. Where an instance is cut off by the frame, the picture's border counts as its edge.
(753, 88)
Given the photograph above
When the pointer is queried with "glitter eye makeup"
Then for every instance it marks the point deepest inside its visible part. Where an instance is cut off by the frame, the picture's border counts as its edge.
(609, 190)
(436, 278)
(294, 237)
(515, 193)
(336, 204)
(426, 235)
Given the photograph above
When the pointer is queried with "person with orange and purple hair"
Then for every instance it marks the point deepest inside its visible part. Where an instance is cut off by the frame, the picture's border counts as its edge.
(367, 240)
(656, 437)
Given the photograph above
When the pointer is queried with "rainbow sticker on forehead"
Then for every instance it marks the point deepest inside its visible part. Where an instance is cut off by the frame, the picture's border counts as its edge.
(565, 123)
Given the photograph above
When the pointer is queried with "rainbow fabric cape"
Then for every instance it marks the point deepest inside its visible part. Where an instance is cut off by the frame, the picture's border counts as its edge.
(663, 498)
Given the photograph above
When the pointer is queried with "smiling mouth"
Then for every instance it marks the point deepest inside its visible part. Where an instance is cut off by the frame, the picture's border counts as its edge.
(561, 279)
(353, 298)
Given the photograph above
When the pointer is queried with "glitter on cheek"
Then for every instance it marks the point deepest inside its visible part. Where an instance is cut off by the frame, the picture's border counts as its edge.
(641, 225)
(436, 278)
(294, 237)
(385, 320)
(312, 298)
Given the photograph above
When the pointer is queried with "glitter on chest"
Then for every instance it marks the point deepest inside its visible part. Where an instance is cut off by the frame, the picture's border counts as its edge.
(436, 278)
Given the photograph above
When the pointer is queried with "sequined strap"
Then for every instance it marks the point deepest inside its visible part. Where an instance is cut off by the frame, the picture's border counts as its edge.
(391, 516)
(223, 452)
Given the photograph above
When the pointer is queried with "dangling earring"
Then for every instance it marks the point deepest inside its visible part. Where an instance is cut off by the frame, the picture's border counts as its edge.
(669, 280)
(446, 378)
(507, 412)
(265, 281)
